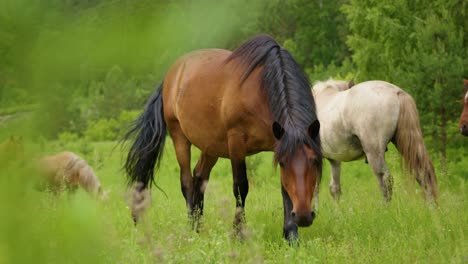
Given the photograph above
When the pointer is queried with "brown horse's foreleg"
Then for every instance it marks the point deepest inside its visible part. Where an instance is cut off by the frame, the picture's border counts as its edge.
(201, 176)
(240, 184)
(289, 227)
(240, 189)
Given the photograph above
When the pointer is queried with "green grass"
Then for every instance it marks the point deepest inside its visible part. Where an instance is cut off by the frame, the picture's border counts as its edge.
(38, 228)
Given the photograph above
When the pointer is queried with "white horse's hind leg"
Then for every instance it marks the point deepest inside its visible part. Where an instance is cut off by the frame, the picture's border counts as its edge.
(379, 167)
(335, 186)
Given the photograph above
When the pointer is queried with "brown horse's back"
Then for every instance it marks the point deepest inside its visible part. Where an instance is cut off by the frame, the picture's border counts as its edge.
(205, 76)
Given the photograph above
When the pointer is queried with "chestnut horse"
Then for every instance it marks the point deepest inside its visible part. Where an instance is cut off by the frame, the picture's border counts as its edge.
(231, 105)
(464, 116)
(66, 170)
(359, 122)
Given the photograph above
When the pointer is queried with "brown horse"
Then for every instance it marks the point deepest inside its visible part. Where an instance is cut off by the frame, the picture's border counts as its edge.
(231, 105)
(66, 170)
(11, 150)
(464, 116)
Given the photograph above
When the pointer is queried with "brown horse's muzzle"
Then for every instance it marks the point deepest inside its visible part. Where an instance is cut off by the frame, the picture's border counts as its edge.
(304, 218)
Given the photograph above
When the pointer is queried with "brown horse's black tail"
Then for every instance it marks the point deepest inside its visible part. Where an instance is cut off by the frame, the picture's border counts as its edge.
(409, 142)
(147, 149)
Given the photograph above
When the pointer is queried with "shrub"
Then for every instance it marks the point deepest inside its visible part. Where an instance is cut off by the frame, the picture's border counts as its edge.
(66, 137)
(102, 129)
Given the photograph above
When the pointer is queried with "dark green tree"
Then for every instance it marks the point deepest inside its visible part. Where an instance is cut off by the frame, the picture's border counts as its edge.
(420, 46)
(314, 31)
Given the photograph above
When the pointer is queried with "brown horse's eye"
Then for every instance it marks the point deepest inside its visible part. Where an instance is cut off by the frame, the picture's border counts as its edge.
(281, 164)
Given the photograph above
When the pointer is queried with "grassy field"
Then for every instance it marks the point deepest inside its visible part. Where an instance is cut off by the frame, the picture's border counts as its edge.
(36, 227)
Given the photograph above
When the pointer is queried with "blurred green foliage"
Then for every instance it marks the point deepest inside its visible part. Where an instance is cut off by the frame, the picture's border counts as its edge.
(83, 61)
(38, 227)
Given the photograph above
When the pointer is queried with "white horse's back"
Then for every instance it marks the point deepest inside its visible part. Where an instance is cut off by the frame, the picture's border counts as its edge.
(366, 112)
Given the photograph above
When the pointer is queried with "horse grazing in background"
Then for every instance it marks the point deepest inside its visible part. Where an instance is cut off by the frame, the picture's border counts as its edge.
(231, 105)
(11, 150)
(360, 121)
(464, 115)
(66, 170)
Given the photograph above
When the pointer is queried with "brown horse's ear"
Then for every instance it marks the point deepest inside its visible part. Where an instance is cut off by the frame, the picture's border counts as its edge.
(314, 129)
(278, 130)
(351, 83)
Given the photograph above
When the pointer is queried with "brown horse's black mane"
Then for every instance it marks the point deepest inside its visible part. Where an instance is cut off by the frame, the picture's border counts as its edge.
(288, 90)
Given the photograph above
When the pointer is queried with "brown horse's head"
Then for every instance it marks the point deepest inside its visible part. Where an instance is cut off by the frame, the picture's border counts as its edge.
(300, 169)
(464, 116)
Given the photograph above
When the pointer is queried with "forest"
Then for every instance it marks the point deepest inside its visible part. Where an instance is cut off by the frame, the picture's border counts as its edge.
(76, 73)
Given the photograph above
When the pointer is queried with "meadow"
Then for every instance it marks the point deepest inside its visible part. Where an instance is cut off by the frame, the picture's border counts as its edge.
(37, 227)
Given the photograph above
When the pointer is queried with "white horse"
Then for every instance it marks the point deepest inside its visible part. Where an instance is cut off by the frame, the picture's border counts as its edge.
(359, 122)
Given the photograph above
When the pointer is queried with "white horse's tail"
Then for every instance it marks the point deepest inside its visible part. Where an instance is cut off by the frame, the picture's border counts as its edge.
(409, 142)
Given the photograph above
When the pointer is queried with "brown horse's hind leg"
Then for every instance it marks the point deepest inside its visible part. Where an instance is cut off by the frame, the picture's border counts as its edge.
(182, 150)
(201, 176)
(379, 167)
